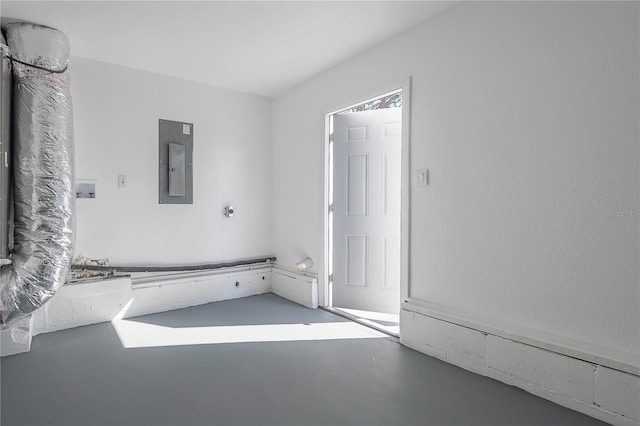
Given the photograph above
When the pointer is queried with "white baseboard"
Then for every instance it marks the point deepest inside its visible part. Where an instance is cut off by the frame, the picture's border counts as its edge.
(610, 395)
(565, 345)
(295, 286)
(177, 293)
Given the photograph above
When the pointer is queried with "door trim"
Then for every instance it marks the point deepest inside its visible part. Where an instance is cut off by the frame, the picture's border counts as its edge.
(405, 191)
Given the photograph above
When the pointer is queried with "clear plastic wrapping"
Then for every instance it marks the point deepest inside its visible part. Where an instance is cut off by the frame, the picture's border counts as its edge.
(42, 170)
(5, 137)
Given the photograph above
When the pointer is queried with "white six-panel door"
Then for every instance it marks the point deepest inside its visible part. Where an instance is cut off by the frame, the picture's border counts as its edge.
(366, 210)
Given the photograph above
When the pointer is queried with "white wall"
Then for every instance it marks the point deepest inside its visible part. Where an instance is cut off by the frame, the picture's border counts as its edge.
(526, 115)
(116, 112)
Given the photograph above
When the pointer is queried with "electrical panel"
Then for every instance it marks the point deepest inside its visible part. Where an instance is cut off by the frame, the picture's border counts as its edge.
(175, 177)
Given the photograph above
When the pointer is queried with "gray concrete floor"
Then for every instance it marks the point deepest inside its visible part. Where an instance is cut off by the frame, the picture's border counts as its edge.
(84, 376)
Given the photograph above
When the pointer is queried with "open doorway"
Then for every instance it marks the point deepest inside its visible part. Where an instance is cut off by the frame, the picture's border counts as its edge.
(364, 211)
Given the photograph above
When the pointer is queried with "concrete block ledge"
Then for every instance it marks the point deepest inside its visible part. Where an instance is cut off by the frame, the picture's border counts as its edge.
(101, 300)
(598, 391)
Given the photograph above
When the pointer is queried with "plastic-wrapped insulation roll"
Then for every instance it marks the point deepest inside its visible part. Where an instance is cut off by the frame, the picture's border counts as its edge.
(5, 152)
(43, 191)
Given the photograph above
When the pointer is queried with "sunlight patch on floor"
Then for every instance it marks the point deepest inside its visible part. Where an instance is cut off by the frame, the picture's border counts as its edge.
(134, 334)
(389, 322)
(374, 316)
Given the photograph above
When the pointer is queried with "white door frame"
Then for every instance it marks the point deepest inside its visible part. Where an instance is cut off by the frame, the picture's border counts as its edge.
(405, 87)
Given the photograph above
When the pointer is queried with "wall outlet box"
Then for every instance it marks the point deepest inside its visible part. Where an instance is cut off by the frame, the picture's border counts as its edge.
(85, 188)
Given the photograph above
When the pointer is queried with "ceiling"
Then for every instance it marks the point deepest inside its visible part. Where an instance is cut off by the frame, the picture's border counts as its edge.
(262, 47)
